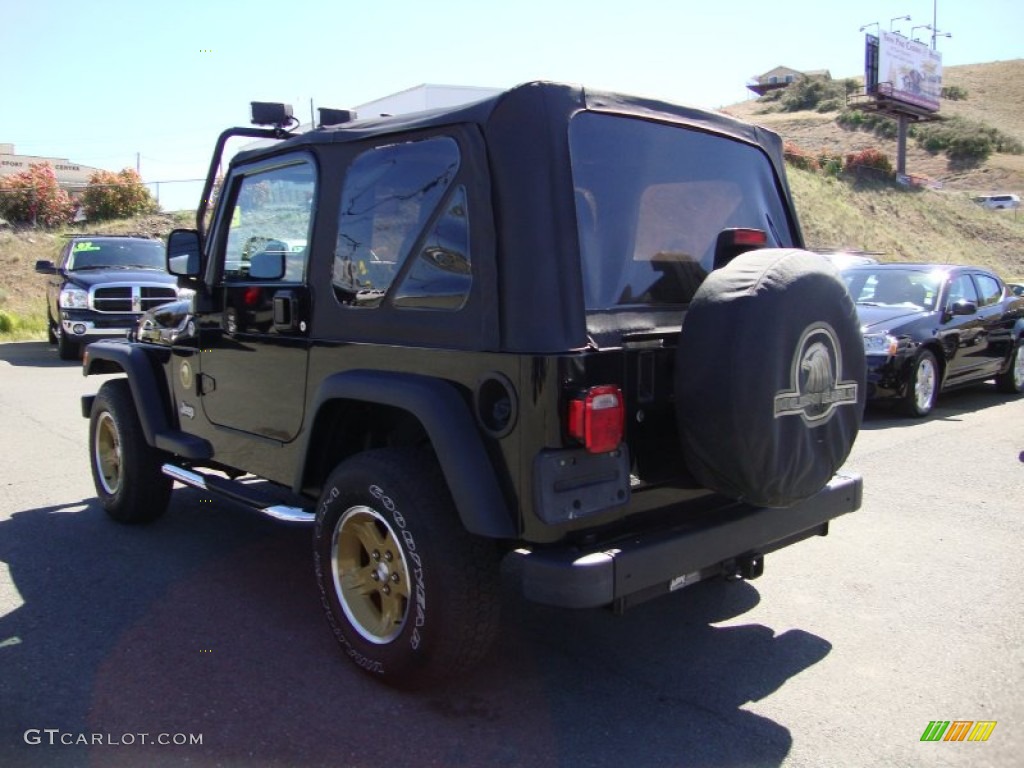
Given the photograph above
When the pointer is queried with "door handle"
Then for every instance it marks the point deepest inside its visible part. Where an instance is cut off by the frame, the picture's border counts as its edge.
(286, 311)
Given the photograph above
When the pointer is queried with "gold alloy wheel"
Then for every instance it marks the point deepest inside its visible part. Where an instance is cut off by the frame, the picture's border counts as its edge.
(371, 575)
(107, 453)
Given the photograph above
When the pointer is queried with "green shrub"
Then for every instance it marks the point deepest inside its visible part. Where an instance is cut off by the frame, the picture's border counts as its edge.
(963, 139)
(34, 197)
(872, 122)
(830, 164)
(6, 322)
(954, 93)
(811, 93)
(117, 196)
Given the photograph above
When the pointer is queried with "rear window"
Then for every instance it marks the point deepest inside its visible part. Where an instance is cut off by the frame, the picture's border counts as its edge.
(651, 200)
(112, 254)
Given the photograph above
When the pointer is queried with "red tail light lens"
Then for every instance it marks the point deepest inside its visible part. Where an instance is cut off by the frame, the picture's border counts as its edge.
(596, 418)
(755, 238)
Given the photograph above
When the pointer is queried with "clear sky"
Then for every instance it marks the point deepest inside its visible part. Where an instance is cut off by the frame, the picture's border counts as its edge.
(104, 82)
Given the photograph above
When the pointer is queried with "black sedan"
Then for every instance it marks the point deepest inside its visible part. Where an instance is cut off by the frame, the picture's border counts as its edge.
(930, 327)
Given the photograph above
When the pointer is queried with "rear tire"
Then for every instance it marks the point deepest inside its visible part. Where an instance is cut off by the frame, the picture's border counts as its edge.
(1012, 382)
(412, 597)
(125, 468)
(922, 386)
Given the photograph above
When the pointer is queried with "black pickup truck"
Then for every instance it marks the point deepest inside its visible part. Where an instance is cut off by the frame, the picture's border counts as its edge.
(570, 327)
(99, 287)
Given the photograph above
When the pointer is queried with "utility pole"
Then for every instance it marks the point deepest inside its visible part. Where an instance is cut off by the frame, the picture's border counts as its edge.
(138, 163)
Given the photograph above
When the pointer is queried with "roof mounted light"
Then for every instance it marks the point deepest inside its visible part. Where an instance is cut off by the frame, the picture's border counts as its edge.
(329, 116)
(271, 113)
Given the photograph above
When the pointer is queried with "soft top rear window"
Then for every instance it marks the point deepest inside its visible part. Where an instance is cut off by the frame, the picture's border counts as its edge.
(651, 200)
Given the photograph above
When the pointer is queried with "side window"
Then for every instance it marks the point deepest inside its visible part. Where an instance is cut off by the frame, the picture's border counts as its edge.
(962, 289)
(990, 289)
(440, 277)
(390, 195)
(270, 223)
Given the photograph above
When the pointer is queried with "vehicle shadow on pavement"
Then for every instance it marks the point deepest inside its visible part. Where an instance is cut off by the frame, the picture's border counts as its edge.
(208, 623)
(951, 406)
(34, 354)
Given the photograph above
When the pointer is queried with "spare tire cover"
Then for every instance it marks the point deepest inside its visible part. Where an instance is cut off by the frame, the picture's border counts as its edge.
(770, 377)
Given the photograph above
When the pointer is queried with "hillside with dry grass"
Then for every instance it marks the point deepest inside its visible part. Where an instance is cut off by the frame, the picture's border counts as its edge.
(995, 97)
(921, 224)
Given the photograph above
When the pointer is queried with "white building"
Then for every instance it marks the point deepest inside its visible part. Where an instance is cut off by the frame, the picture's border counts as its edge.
(70, 176)
(422, 97)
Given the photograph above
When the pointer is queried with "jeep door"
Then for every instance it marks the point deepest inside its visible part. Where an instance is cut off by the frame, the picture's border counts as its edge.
(254, 348)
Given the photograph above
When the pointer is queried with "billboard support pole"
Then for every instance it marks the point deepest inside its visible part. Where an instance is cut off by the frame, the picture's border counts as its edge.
(901, 145)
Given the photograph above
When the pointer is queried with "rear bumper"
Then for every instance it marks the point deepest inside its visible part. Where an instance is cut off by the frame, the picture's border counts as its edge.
(646, 565)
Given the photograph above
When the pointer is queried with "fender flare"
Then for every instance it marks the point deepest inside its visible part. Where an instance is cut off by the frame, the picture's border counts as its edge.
(452, 431)
(150, 393)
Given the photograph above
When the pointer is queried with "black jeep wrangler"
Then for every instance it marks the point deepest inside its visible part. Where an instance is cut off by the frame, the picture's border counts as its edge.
(569, 327)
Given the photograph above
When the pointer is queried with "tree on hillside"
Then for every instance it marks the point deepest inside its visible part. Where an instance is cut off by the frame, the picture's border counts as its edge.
(117, 196)
(34, 197)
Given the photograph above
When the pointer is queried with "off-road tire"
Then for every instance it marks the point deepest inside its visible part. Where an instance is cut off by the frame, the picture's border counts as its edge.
(1012, 381)
(410, 595)
(125, 468)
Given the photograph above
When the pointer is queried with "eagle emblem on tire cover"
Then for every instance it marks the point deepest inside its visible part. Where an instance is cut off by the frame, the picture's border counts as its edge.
(815, 388)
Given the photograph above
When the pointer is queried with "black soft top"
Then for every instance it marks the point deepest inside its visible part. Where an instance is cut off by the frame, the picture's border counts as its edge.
(525, 131)
(530, 106)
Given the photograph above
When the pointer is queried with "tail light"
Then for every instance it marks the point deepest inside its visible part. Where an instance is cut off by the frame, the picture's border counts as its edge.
(732, 242)
(596, 418)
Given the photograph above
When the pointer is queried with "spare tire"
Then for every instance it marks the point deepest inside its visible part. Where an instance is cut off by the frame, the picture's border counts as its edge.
(770, 377)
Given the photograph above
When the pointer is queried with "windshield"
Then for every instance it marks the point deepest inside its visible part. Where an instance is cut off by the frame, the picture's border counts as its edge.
(113, 254)
(886, 286)
(651, 200)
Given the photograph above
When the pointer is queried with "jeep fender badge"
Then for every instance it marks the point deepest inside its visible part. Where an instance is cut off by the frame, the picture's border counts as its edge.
(187, 410)
(816, 390)
(186, 375)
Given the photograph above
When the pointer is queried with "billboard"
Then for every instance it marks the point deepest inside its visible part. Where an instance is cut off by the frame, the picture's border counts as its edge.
(904, 70)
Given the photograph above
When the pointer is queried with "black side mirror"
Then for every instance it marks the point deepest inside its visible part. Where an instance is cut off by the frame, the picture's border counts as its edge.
(183, 249)
(44, 267)
(964, 307)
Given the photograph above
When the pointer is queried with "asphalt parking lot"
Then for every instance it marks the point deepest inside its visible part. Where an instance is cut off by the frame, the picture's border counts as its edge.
(207, 624)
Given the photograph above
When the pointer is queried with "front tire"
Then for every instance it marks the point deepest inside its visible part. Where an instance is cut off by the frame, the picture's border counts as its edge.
(922, 385)
(125, 468)
(1012, 382)
(67, 348)
(412, 597)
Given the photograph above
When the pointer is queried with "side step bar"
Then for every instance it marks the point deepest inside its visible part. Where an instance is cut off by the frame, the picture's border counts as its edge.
(237, 492)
